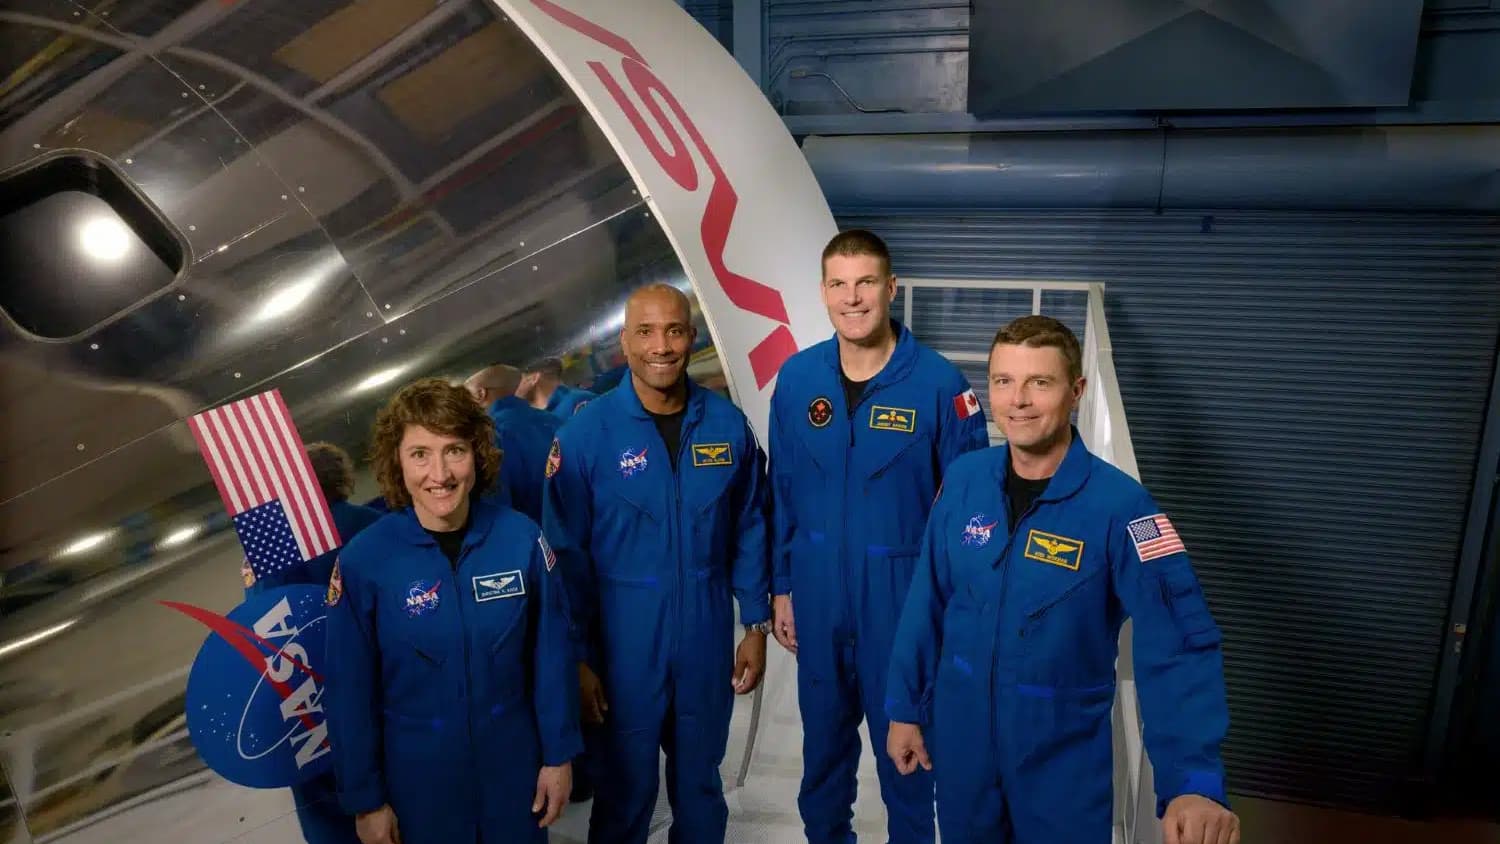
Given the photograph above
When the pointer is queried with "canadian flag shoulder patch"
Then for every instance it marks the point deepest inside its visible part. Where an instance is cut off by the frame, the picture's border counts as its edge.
(966, 404)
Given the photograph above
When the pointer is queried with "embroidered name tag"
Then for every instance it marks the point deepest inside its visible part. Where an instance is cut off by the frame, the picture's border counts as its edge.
(712, 454)
(1053, 549)
(884, 418)
(503, 584)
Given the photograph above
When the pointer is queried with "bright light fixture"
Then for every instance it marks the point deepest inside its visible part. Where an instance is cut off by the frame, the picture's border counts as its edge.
(104, 238)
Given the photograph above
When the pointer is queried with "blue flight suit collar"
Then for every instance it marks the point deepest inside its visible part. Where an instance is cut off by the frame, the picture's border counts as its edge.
(631, 403)
(1070, 476)
(482, 515)
(560, 394)
(902, 358)
(511, 403)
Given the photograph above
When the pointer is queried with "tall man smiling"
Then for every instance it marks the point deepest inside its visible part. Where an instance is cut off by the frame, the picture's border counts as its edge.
(863, 425)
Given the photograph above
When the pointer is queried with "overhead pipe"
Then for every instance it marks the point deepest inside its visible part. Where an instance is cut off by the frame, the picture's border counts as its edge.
(1368, 168)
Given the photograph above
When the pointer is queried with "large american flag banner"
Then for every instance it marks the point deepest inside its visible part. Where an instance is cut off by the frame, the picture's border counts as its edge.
(260, 466)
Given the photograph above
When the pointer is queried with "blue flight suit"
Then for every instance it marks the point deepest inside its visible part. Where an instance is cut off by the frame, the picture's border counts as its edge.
(525, 434)
(652, 556)
(850, 495)
(448, 690)
(318, 812)
(566, 401)
(1006, 652)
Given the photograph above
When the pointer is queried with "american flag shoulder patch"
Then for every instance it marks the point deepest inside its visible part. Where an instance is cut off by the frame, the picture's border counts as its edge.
(547, 554)
(1154, 537)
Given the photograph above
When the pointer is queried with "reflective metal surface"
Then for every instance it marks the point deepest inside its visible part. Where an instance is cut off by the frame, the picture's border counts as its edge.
(368, 194)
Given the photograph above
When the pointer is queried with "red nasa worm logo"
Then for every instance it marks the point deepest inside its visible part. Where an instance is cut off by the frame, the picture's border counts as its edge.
(745, 293)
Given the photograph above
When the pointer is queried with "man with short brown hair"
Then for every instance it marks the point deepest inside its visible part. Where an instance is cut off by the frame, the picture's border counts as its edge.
(1035, 553)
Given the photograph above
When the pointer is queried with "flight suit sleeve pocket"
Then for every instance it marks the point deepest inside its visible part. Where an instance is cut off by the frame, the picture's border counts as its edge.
(1185, 602)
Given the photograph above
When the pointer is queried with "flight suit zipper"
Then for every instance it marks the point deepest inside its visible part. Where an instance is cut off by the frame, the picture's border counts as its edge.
(850, 494)
(1010, 542)
(466, 689)
(676, 519)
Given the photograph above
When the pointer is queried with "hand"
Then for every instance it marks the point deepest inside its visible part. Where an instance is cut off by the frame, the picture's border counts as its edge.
(377, 827)
(749, 662)
(903, 743)
(1195, 819)
(784, 626)
(553, 785)
(591, 695)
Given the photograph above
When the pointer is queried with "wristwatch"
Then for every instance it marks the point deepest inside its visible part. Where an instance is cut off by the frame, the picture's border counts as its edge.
(763, 627)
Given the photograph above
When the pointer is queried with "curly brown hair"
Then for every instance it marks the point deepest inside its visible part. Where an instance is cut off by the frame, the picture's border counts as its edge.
(439, 407)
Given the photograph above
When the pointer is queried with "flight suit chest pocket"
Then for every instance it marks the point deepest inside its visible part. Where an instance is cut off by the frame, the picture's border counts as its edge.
(419, 612)
(501, 613)
(635, 493)
(421, 640)
(880, 452)
(501, 600)
(708, 469)
(1051, 567)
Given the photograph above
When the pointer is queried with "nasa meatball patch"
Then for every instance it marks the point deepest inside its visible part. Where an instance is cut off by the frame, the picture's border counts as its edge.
(254, 693)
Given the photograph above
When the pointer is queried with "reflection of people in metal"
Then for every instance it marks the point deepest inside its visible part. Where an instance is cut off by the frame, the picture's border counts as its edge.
(655, 505)
(542, 386)
(318, 812)
(862, 427)
(452, 690)
(1007, 645)
(523, 433)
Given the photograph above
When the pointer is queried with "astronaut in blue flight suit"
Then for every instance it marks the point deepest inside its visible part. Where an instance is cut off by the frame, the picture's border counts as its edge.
(655, 506)
(862, 428)
(1034, 555)
(451, 687)
(523, 433)
(542, 386)
(318, 812)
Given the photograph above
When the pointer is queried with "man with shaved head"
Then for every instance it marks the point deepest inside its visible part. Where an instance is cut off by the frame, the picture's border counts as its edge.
(654, 505)
(522, 433)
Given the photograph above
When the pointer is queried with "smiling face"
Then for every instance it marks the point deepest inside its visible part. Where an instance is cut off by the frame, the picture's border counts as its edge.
(438, 472)
(857, 291)
(658, 338)
(1031, 396)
